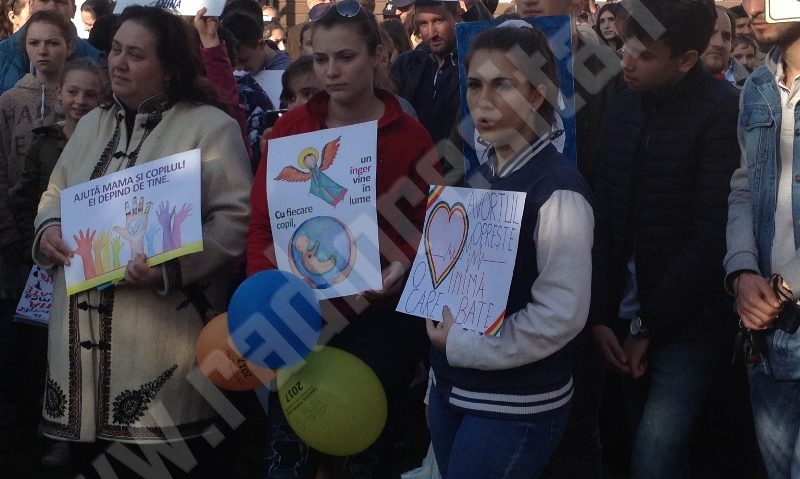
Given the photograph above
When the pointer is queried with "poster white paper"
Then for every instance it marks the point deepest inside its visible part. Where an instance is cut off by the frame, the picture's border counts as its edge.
(782, 11)
(37, 297)
(466, 257)
(151, 209)
(184, 7)
(322, 207)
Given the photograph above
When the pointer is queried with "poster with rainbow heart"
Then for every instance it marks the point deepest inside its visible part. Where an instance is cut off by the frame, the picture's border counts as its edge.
(466, 257)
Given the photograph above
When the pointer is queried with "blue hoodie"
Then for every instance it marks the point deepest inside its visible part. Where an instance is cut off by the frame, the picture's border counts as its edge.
(14, 63)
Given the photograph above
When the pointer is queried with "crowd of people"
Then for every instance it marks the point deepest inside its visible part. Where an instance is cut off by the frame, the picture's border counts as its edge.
(668, 249)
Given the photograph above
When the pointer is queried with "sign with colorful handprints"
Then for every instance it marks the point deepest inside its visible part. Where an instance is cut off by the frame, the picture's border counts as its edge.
(322, 207)
(466, 257)
(151, 209)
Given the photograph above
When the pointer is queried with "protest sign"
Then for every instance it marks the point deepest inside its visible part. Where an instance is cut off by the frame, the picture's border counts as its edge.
(37, 297)
(184, 7)
(151, 209)
(466, 257)
(322, 206)
(563, 135)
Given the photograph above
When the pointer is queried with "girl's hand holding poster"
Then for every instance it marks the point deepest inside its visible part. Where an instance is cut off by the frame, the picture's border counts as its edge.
(322, 207)
(466, 257)
(151, 209)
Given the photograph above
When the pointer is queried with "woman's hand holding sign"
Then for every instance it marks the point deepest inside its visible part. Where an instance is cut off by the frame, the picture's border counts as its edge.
(52, 246)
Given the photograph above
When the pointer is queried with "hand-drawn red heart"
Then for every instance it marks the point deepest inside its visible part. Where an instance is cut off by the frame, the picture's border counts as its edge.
(445, 236)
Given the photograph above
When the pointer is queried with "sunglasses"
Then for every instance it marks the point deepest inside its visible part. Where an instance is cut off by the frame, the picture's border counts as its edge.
(345, 8)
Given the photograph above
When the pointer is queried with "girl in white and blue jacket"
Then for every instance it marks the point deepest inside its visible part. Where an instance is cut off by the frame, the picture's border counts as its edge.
(498, 405)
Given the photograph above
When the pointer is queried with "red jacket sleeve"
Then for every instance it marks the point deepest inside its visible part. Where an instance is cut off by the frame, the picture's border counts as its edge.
(220, 74)
(260, 252)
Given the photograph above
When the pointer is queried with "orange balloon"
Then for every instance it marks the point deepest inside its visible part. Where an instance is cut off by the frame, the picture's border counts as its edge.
(221, 362)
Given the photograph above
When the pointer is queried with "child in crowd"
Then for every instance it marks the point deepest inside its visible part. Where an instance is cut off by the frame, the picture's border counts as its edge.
(498, 405)
(83, 85)
(347, 46)
(299, 82)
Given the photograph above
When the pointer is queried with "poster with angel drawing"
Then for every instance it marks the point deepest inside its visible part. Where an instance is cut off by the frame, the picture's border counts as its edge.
(322, 206)
(151, 209)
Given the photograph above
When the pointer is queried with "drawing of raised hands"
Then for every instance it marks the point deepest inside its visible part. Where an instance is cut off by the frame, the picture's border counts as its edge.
(102, 261)
(164, 216)
(116, 247)
(177, 220)
(84, 250)
(150, 236)
(136, 215)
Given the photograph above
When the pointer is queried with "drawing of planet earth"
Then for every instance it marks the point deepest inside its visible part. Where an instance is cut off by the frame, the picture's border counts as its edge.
(322, 252)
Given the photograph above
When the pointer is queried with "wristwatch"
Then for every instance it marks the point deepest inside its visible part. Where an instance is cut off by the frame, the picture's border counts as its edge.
(637, 329)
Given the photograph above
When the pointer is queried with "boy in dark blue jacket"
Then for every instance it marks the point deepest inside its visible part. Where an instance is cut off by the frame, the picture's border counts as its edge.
(661, 209)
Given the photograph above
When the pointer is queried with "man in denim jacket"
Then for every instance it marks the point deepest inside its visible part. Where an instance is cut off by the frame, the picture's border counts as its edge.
(762, 263)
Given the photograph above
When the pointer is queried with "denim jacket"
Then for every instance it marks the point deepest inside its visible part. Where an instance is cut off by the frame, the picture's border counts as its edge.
(752, 202)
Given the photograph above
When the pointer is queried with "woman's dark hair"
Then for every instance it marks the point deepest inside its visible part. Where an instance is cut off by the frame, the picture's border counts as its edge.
(99, 8)
(397, 32)
(53, 18)
(529, 50)
(302, 66)
(617, 41)
(363, 23)
(177, 53)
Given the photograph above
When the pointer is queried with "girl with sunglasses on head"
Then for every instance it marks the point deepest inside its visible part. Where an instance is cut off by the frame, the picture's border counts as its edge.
(498, 405)
(347, 49)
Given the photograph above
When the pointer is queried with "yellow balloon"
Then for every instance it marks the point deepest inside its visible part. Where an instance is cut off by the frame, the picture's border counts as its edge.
(333, 401)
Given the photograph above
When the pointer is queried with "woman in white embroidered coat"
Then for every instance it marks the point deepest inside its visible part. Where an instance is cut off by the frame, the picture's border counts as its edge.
(121, 360)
